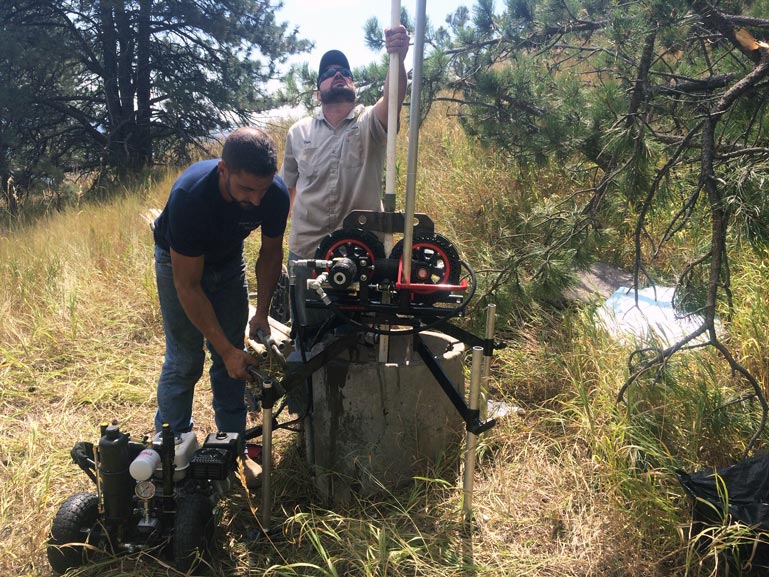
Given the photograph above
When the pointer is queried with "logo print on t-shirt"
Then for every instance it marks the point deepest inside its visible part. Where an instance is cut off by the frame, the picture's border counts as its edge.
(247, 225)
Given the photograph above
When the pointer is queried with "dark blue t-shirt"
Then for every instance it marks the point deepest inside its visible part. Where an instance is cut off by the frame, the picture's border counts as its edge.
(198, 221)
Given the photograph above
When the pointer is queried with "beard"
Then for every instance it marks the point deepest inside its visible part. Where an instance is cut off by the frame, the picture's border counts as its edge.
(337, 94)
(243, 204)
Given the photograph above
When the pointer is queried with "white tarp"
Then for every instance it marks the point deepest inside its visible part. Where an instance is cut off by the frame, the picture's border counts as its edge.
(651, 319)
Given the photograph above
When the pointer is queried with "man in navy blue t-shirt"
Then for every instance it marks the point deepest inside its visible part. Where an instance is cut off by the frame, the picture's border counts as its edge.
(201, 277)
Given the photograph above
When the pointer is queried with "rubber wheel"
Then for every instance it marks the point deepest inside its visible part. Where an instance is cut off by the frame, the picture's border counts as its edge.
(193, 530)
(436, 258)
(73, 523)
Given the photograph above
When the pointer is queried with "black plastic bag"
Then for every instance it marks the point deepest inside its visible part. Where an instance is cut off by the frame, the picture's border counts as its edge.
(742, 487)
(735, 494)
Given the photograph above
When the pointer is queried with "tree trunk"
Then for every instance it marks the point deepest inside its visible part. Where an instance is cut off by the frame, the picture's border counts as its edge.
(143, 140)
(5, 180)
(111, 88)
(127, 90)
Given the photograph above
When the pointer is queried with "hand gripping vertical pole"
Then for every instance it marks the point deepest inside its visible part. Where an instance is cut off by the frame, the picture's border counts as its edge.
(392, 121)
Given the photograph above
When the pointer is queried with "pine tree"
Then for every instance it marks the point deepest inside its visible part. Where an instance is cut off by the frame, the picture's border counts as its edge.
(139, 79)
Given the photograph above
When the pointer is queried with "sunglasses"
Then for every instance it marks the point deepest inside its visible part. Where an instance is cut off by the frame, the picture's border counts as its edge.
(331, 72)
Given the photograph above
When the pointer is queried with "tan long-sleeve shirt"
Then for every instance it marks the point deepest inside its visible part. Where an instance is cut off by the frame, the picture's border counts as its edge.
(334, 171)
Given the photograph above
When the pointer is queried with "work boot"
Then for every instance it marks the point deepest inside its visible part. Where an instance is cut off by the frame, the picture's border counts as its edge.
(253, 472)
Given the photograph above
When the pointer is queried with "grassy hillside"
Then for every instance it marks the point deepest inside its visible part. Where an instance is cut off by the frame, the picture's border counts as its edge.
(574, 484)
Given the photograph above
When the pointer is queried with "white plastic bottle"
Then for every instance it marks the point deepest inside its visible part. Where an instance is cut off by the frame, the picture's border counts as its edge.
(144, 465)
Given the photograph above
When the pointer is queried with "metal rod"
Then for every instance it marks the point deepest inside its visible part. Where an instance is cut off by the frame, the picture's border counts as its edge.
(384, 340)
(260, 351)
(267, 458)
(392, 138)
(491, 318)
(472, 439)
(392, 118)
(411, 171)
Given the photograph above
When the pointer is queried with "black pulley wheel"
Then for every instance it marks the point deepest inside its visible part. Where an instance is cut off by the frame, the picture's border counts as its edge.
(353, 243)
(434, 261)
(73, 524)
(193, 530)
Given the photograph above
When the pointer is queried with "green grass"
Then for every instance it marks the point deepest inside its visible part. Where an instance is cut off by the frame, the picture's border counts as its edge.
(573, 485)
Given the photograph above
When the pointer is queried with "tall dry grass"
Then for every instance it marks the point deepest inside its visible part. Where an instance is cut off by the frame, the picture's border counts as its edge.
(572, 485)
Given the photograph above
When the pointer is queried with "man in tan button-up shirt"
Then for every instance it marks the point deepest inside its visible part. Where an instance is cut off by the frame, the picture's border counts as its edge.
(334, 160)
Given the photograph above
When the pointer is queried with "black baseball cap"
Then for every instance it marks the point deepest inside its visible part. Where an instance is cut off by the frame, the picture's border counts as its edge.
(332, 58)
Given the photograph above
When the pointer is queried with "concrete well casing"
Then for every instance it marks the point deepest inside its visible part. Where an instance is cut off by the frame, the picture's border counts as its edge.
(378, 425)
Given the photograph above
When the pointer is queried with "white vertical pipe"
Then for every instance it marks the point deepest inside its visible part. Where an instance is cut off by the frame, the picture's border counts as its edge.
(491, 320)
(392, 120)
(267, 460)
(472, 439)
(392, 136)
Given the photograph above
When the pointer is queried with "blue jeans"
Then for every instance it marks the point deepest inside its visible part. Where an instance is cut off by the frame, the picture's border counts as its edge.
(227, 289)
